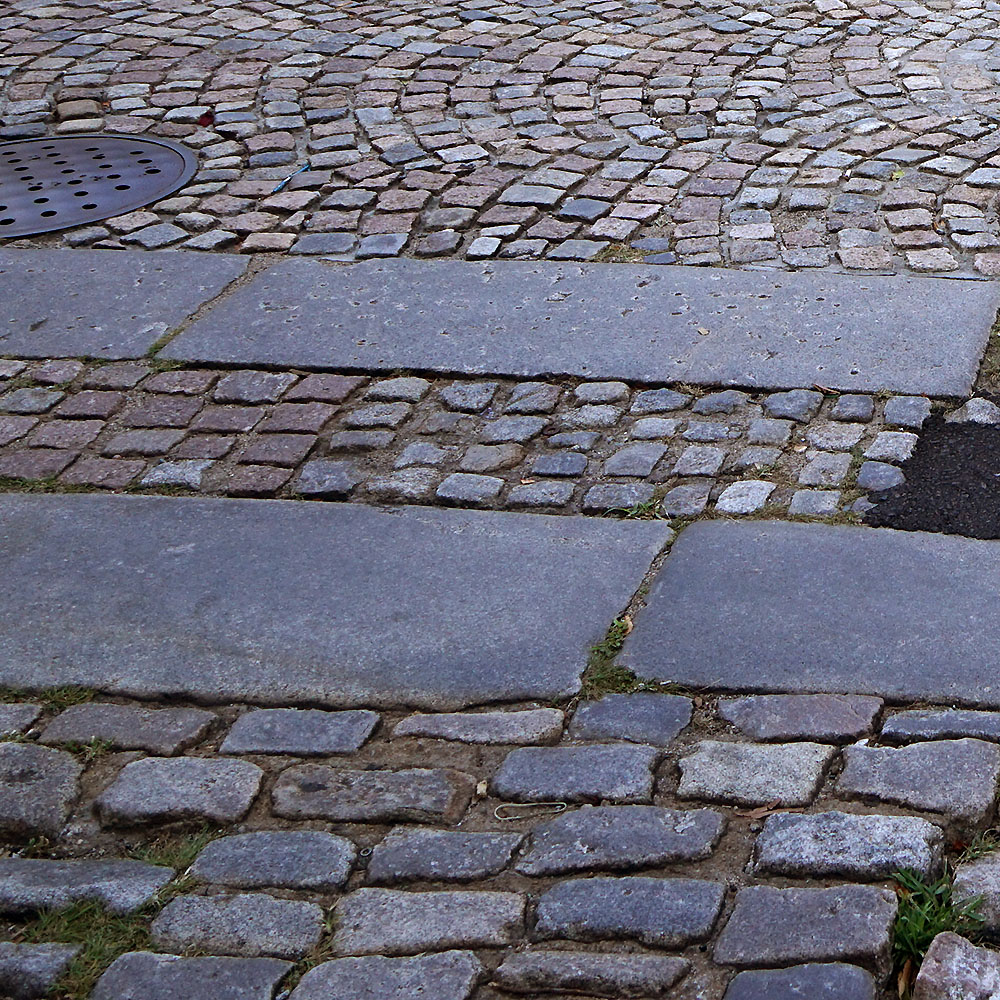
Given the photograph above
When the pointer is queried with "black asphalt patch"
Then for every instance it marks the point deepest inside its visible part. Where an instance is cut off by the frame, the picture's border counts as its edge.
(952, 483)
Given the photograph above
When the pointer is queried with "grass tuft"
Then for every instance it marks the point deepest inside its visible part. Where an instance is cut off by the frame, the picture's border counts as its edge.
(925, 910)
(177, 851)
(103, 936)
(646, 510)
(603, 675)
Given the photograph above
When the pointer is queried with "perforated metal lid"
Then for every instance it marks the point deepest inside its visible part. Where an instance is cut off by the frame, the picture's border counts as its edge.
(55, 183)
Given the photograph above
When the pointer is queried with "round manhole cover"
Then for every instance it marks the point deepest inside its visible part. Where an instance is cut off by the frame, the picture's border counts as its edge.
(56, 183)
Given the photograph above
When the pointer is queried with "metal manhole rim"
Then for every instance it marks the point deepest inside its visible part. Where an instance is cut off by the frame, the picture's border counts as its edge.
(188, 166)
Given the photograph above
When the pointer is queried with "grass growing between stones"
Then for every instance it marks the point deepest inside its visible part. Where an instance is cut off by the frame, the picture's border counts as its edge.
(55, 699)
(177, 852)
(926, 909)
(646, 510)
(603, 675)
(102, 937)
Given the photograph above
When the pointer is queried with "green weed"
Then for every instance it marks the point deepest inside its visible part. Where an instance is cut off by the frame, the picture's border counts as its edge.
(925, 910)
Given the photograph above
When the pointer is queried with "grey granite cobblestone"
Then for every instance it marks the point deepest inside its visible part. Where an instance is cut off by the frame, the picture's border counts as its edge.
(283, 859)
(389, 922)
(773, 927)
(458, 443)
(662, 912)
(162, 731)
(604, 975)
(303, 732)
(421, 795)
(249, 925)
(449, 975)
(909, 776)
(620, 838)
(620, 773)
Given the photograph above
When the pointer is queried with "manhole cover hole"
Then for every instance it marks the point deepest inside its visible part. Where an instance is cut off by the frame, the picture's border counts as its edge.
(49, 184)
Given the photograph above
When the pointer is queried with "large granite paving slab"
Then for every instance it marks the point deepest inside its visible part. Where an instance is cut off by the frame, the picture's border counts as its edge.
(666, 324)
(775, 606)
(102, 303)
(283, 601)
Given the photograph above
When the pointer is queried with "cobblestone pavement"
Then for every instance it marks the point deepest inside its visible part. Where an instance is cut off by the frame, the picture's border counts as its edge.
(639, 844)
(856, 135)
(556, 447)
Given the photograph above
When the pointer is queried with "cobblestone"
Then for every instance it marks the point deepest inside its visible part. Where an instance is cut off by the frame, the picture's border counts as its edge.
(664, 913)
(577, 774)
(160, 977)
(37, 788)
(421, 795)
(787, 773)
(770, 927)
(821, 717)
(540, 725)
(163, 731)
(247, 925)
(701, 134)
(620, 838)
(654, 719)
(539, 971)
(30, 971)
(286, 859)
(440, 856)
(450, 975)
(156, 790)
(305, 732)
(834, 844)
(388, 922)
(905, 776)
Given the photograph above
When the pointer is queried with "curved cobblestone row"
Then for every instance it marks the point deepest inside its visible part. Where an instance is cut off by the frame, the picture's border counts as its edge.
(638, 845)
(828, 134)
(556, 447)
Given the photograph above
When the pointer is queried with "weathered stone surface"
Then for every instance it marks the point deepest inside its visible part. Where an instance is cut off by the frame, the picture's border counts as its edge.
(419, 795)
(614, 976)
(167, 977)
(620, 838)
(642, 718)
(16, 718)
(28, 884)
(662, 912)
(198, 623)
(955, 969)
(303, 732)
(850, 846)
(388, 922)
(440, 856)
(981, 879)
(577, 774)
(247, 925)
(161, 731)
(748, 774)
(538, 725)
(37, 789)
(162, 789)
(702, 623)
(765, 331)
(282, 859)
(29, 971)
(450, 975)
(847, 923)
(832, 981)
(828, 717)
(120, 305)
(941, 724)
(912, 776)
